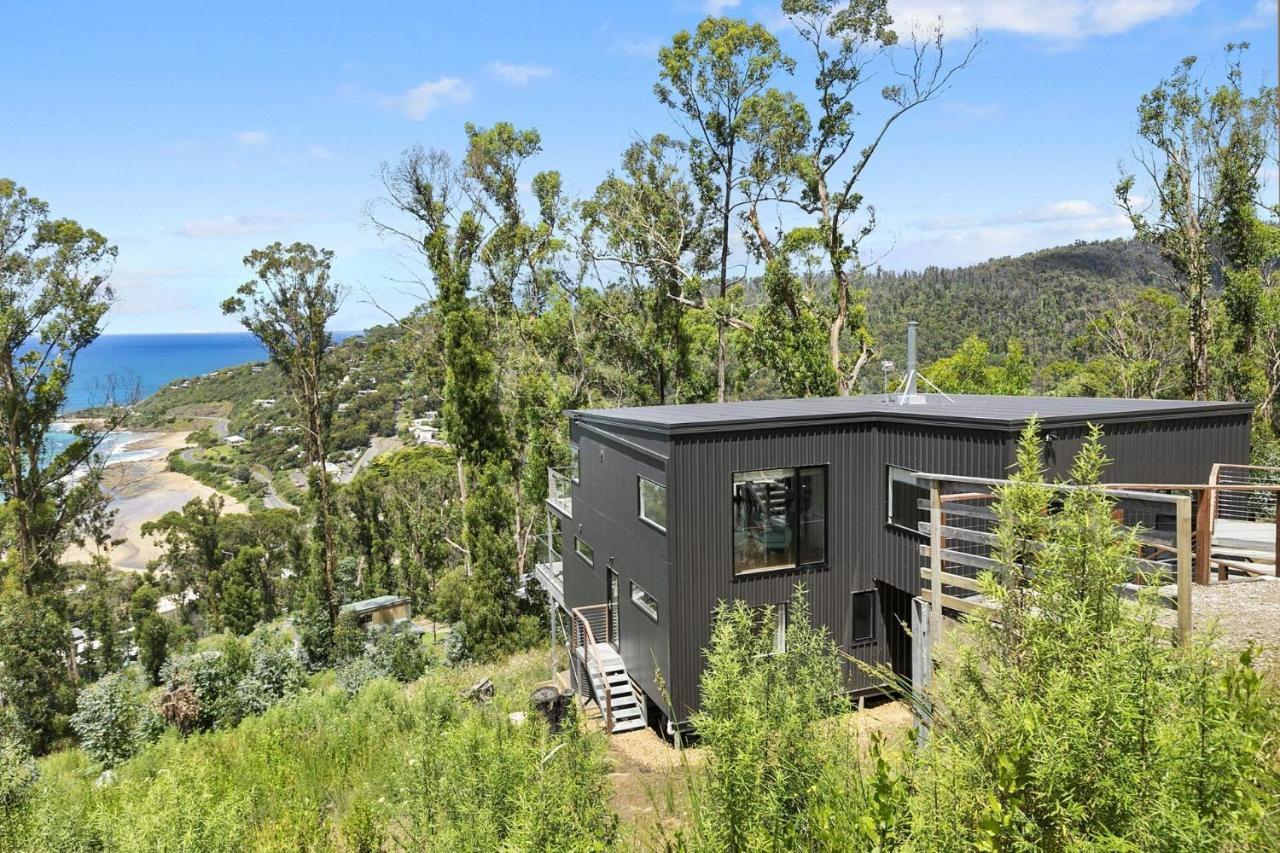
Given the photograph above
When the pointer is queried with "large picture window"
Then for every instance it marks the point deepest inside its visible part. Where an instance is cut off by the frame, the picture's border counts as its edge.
(653, 503)
(904, 496)
(779, 519)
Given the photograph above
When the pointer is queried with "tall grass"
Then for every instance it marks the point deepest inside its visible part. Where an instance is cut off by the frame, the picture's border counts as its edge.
(389, 768)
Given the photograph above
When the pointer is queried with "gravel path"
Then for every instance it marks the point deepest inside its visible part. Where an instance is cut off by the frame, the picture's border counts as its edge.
(1241, 611)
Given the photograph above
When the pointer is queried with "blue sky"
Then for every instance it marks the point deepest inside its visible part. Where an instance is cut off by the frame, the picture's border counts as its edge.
(192, 133)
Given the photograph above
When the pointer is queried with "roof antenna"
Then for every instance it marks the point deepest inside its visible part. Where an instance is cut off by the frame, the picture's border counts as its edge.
(906, 395)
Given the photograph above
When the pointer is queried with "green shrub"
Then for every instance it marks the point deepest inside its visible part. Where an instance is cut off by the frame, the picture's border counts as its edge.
(18, 775)
(349, 637)
(407, 766)
(275, 673)
(1073, 721)
(353, 675)
(112, 718)
(399, 651)
(759, 722)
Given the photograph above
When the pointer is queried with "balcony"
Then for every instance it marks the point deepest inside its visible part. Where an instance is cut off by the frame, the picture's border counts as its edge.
(548, 566)
(560, 492)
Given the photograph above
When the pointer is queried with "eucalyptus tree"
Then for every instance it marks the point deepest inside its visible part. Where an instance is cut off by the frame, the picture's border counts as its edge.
(1200, 149)
(644, 221)
(288, 305)
(446, 227)
(850, 45)
(54, 295)
(711, 80)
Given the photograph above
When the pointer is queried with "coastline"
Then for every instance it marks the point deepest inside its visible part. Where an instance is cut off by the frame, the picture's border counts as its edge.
(142, 489)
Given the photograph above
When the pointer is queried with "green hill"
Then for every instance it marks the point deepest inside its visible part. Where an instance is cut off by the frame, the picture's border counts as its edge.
(1043, 298)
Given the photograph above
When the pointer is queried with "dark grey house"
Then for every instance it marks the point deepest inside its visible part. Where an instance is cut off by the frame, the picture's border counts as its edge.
(671, 509)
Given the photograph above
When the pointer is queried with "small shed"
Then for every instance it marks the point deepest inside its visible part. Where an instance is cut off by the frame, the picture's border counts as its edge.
(383, 610)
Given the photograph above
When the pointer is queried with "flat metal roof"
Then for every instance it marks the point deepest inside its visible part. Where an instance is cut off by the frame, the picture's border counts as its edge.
(975, 411)
(373, 603)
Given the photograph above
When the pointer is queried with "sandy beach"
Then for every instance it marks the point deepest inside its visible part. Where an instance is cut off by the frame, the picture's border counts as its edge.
(143, 490)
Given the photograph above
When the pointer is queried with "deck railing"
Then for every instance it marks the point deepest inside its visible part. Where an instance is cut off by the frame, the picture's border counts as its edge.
(548, 559)
(963, 538)
(560, 491)
(589, 623)
(1237, 527)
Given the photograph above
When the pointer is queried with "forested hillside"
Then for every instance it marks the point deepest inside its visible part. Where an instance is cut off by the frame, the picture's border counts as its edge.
(1046, 299)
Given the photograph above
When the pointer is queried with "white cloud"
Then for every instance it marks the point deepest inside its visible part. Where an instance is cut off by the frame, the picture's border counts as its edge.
(1263, 14)
(416, 103)
(647, 48)
(960, 240)
(241, 225)
(719, 7)
(518, 75)
(250, 137)
(319, 152)
(1061, 19)
(1071, 213)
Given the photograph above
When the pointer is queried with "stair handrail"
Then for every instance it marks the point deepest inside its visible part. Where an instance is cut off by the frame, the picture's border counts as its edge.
(579, 616)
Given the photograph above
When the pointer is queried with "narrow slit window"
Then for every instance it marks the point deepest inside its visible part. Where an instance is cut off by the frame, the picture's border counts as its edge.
(585, 551)
(653, 503)
(903, 500)
(575, 461)
(643, 600)
(863, 605)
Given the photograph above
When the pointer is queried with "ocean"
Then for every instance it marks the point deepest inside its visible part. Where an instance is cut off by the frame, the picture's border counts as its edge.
(153, 361)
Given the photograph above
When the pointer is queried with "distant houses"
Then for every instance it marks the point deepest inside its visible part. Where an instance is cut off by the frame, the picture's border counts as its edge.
(425, 431)
(233, 440)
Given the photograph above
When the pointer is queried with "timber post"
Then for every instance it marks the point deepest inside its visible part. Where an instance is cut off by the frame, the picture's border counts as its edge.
(1184, 569)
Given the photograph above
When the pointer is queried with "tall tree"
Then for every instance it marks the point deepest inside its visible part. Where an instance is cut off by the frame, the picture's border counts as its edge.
(288, 305)
(432, 191)
(645, 219)
(53, 297)
(850, 43)
(1200, 149)
(710, 79)
(193, 551)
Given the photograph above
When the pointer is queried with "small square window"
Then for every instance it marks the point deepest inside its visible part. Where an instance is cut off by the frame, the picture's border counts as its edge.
(585, 551)
(643, 600)
(653, 503)
(863, 607)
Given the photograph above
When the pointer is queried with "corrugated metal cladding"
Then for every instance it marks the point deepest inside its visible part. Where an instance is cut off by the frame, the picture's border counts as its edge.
(606, 517)
(689, 570)
(1158, 451)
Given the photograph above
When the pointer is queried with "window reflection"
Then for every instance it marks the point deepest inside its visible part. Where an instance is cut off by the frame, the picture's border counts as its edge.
(779, 518)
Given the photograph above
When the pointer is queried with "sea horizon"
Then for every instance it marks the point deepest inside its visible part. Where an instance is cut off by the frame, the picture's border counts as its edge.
(152, 360)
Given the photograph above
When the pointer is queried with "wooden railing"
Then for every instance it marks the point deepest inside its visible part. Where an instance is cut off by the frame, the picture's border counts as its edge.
(962, 538)
(1234, 493)
(588, 623)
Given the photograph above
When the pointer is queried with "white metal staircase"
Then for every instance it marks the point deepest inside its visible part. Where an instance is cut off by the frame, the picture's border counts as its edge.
(598, 672)
(611, 689)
